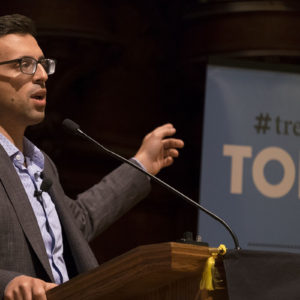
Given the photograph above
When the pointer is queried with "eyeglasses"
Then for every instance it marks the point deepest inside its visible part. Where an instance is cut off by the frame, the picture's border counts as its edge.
(28, 65)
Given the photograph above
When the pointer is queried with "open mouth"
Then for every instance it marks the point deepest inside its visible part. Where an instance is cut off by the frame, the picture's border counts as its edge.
(37, 97)
(40, 95)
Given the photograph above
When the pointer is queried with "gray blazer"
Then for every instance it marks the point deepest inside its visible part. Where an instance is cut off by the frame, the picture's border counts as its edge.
(22, 250)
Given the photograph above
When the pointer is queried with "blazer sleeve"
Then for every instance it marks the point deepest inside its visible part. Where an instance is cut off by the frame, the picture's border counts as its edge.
(97, 208)
(5, 277)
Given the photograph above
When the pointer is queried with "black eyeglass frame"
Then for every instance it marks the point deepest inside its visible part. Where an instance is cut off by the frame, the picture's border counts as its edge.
(19, 61)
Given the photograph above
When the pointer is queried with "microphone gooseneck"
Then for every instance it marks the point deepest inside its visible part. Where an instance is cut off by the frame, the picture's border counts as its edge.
(75, 129)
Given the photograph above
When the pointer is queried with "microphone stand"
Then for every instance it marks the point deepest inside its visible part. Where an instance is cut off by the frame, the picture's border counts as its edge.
(73, 127)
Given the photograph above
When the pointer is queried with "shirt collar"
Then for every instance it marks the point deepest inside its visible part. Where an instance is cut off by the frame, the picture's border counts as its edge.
(30, 150)
(8, 146)
(33, 153)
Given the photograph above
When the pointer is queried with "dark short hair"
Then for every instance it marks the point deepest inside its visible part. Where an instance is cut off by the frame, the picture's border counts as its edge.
(16, 24)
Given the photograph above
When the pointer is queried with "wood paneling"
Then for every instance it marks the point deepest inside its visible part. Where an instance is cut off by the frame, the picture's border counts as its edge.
(125, 67)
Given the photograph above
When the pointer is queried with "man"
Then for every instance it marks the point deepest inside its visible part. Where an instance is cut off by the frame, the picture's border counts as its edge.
(44, 236)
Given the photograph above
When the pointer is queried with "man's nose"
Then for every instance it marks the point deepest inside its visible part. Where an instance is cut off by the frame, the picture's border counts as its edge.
(40, 74)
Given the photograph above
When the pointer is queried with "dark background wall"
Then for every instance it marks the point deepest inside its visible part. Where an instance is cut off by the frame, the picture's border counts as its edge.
(125, 67)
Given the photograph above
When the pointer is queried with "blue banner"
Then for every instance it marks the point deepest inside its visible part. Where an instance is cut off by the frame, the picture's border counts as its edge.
(250, 158)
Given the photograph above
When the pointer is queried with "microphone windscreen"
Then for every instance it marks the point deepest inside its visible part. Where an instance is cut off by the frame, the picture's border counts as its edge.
(70, 125)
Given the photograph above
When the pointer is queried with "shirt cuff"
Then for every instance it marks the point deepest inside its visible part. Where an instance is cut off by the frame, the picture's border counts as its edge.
(139, 163)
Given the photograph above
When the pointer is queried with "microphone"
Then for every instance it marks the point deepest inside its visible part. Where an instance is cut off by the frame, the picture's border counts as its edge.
(45, 186)
(75, 129)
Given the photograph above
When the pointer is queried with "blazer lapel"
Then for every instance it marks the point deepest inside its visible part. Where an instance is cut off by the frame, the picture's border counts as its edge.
(83, 256)
(18, 197)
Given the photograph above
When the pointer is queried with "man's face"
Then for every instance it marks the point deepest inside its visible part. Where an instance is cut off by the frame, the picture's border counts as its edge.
(22, 96)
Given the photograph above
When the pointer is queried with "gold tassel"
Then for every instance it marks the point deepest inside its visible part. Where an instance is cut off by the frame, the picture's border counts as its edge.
(207, 281)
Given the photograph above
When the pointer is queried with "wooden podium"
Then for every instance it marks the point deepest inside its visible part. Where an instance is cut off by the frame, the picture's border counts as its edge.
(168, 271)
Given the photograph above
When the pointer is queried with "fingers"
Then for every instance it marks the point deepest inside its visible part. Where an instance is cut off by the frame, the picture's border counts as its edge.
(38, 293)
(168, 161)
(171, 153)
(170, 150)
(173, 143)
(164, 130)
(158, 150)
(39, 290)
(27, 288)
(50, 286)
